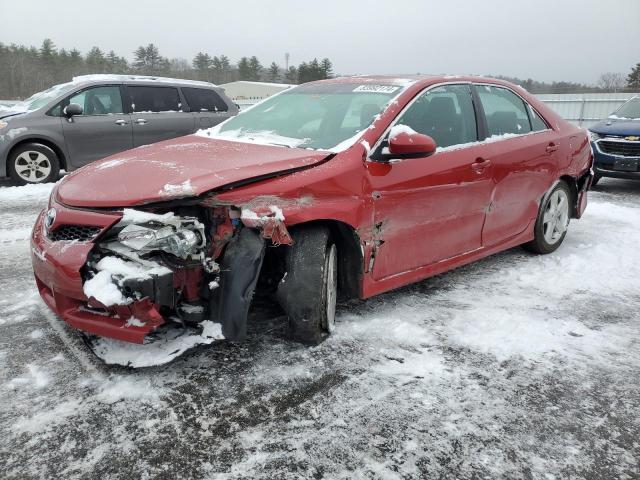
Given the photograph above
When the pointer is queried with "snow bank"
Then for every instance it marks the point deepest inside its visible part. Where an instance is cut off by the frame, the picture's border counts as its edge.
(172, 343)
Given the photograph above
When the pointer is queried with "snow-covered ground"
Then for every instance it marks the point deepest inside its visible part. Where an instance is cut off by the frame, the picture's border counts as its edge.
(518, 366)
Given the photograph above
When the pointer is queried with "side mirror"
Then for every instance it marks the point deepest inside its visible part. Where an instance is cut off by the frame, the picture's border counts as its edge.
(406, 144)
(72, 109)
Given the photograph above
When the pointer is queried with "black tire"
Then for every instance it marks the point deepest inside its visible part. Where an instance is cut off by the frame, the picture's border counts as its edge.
(307, 293)
(41, 171)
(540, 243)
(596, 179)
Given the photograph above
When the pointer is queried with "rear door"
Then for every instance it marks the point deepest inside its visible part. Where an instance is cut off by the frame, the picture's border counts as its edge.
(523, 158)
(157, 114)
(102, 130)
(207, 107)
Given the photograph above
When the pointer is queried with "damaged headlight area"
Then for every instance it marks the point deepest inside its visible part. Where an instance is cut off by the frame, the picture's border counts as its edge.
(185, 266)
(179, 241)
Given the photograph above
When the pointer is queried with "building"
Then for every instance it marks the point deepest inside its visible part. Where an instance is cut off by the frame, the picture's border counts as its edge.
(246, 93)
(585, 109)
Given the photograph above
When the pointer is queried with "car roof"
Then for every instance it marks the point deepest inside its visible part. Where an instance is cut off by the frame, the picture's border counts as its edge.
(143, 79)
(419, 80)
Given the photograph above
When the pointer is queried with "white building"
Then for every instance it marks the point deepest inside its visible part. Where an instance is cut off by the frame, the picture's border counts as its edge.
(244, 93)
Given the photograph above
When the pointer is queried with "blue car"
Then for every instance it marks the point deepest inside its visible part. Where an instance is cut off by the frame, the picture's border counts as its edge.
(616, 143)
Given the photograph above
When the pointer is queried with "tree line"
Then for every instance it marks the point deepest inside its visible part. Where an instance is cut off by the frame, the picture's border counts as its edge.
(26, 70)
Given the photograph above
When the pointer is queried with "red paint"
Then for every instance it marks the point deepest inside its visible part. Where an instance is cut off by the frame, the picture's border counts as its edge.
(414, 218)
(411, 144)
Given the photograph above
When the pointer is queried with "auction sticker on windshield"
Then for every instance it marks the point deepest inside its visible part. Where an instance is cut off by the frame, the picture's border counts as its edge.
(375, 88)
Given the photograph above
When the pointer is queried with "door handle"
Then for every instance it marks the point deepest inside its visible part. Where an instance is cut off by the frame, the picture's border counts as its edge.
(122, 122)
(480, 165)
(141, 121)
(552, 147)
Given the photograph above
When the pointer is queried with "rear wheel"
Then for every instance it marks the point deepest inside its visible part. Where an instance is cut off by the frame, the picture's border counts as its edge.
(553, 220)
(309, 289)
(33, 163)
(596, 179)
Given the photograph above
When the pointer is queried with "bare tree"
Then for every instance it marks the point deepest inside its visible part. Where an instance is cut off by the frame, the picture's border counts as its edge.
(611, 81)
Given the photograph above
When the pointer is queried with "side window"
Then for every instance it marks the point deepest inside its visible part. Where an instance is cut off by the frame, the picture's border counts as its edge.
(444, 113)
(154, 99)
(537, 123)
(504, 110)
(204, 100)
(97, 100)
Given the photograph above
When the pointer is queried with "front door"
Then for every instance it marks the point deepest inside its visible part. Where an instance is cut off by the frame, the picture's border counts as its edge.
(431, 209)
(102, 129)
(158, 114)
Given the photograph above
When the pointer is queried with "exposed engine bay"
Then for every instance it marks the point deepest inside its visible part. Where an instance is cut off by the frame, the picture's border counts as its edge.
(189, 266)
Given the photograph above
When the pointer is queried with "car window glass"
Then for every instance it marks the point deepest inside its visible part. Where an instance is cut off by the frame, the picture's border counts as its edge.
(98, 100)
(361, 110)
(204, 100)
(537, 124)
(154, 99)
(504, 110)
(444, 113)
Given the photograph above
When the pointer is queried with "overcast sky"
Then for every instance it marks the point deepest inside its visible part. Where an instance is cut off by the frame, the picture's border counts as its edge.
(548, 40)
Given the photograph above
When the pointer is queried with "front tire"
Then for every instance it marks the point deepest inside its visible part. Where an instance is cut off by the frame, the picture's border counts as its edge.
(33, 163)
(553, 220)
(309, 289)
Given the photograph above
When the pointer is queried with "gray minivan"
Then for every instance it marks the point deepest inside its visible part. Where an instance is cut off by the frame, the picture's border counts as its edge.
(93, 116)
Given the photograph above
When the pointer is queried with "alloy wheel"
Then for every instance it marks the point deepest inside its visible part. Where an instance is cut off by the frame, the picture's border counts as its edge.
(555, 219)
(33, 166)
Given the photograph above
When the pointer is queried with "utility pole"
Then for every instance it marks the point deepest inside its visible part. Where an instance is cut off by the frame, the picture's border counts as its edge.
(286, 62)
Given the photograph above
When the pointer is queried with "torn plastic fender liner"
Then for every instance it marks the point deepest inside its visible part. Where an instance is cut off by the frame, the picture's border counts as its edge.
(240, 268)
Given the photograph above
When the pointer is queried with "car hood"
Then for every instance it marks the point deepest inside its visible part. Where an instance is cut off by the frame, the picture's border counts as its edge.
(10, 113)
(618, 127)
(178, 168)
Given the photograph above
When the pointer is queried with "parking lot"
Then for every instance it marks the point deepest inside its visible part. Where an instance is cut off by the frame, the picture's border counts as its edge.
(517, 366)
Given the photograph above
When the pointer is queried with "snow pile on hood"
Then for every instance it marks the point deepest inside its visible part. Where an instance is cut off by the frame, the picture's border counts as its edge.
(168, 344)
(112, 272)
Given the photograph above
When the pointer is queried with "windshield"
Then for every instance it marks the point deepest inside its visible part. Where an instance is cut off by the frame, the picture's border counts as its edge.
(631, 109)
(317, 116)
(41, 99)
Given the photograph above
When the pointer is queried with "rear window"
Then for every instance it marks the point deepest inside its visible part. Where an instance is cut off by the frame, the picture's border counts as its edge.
(204, 100)
(154, 99)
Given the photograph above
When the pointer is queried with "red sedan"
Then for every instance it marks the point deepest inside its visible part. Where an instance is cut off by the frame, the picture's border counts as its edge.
(341, 188)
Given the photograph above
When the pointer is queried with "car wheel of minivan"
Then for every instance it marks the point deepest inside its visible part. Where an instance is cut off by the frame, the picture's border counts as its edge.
(596, 179)
(309, 289)
(33, 163)
(553, 220)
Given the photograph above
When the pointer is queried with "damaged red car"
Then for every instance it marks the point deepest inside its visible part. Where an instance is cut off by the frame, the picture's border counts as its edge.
(334, 189)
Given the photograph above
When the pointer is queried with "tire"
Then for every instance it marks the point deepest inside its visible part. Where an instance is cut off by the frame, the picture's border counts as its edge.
(596, 179)
(308, 291)
(553, 220)
(33, 163)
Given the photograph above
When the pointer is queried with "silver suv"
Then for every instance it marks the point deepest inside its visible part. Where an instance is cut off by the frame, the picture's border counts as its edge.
(93, 116)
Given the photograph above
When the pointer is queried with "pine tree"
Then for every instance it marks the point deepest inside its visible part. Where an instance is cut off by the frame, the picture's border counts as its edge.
(291, 75)
(48, 51)
(327, 68)
(633, 79)
(244, 69)
(202, 62)
(148, 60)
(95, 61)
(254, 68)
(274, 72)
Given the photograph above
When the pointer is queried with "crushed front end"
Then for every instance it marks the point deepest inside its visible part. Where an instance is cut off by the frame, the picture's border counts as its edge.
(129, 273)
